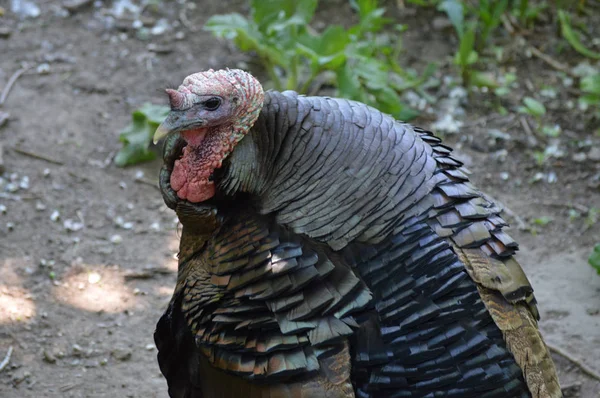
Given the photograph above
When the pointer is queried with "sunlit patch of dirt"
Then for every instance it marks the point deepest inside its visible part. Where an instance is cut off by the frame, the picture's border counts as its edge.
(16, 303)
(95, 288)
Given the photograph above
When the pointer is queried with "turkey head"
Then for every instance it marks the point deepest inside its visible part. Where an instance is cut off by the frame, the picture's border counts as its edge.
(211, 112)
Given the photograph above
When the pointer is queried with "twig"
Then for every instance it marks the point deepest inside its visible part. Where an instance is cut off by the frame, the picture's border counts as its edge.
(6, 359)
(576, 361)
(11, 82)
(507, 25)
(532, 139)
(577, 206)
(148, 182)
(551, 61)
(37, 156)
(147, 273)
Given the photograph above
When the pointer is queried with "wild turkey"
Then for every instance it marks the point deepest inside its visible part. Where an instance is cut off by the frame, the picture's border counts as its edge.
(329, 250)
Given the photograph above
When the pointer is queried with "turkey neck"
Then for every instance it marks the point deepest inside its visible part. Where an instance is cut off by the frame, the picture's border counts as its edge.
(335, 170)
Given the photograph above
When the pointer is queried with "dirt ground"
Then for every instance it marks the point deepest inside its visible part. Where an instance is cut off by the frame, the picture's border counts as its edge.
(87, 249)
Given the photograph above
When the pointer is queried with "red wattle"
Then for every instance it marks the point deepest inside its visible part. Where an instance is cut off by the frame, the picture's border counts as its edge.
(190, 174)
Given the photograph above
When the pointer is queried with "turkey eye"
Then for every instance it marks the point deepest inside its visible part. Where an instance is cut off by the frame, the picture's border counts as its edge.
(212, 104)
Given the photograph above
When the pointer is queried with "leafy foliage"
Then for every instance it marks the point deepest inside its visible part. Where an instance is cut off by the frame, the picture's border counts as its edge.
(571, 36)
(137, 136)
(594, 258)
(590, 87)
(361, 59)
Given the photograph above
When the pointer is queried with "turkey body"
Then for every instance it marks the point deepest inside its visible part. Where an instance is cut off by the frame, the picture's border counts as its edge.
(346, 254)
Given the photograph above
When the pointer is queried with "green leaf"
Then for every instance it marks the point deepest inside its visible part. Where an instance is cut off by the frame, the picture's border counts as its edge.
(571, 36)
(137, 136)
(534, 107)
(455, 12)
(594, 258)
(542, 220)
(591, 84)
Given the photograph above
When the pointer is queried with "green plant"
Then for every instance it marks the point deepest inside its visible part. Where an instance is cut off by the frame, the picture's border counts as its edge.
(594, 258)
(473, 25)
(590, 87)
(137, 136)
(572, 37)
(527, 12)
(361, 59)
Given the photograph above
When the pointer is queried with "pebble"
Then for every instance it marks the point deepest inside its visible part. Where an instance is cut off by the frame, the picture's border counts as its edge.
(10, 226)
(39, 206)
(2, 209)
(46, 172)
(116, 239)
(5, 33)
(94, 278)
(49, 357)
(55, 215)
(121, 354)
(155, 226)
(24, 183)
(594, 154)
(579, 157)
(73, 226)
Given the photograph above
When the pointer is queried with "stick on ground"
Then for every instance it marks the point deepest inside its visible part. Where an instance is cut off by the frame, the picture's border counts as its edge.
(6, 359)
(11, 82)
(584, 368)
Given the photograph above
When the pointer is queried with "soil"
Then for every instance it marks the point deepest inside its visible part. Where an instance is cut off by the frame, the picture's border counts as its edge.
(78, 307)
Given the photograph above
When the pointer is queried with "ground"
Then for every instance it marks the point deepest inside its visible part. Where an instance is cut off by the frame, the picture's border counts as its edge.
(81, 289)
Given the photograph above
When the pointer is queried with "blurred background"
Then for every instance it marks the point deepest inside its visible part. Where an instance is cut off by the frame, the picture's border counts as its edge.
(87, 246)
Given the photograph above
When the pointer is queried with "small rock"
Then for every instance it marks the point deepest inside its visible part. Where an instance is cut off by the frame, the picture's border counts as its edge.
(20, 376)
(74, 5)
(121, 354)
(94, 278)
(441, 23)
(55, 216)
(594, 154)
(49, 357)
(139, 174)
(504, 175)
(72, 226)
(579, 157)
(150, 347)
(39, 206)
(162, 25)
(593, 311)
(498, 135)
(4, 116)
(12, 187)
(24, 183)
(77, 350)
(10, 226)
(25, 9)
(116, 239)
(5, 33)
(155, 226)
(46, 172)
(2, 209)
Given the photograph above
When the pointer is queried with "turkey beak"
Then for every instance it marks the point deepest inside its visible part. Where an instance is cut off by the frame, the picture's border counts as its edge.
(161, 132)
(175, 121)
